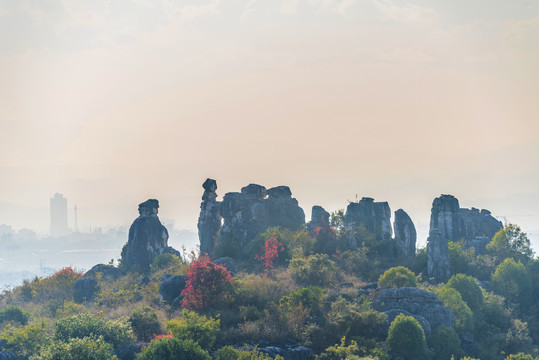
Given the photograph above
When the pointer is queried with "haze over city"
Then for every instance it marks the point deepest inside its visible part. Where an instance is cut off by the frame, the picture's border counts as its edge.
(113, 103)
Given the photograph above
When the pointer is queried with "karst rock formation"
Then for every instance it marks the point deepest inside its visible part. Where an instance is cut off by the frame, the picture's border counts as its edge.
(209, 220)
(147, 239)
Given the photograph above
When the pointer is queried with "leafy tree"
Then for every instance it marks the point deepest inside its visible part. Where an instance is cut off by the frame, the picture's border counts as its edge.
(87, 348)
(206, 285)
(270, 252)
(341, 351)
(517, 338)
(192, 326)
(163, 261)
(145, 323)
(469, 290)
(317, 270)
(27, 340)
(397, 277)
(445, 343)
(512, 282)
(453, 300)
(407, 339)
(459, 258)
(510, 241)
(171, 348)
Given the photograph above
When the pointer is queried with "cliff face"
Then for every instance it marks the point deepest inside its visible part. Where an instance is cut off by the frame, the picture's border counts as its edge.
(147, 238)
(438, 267)
(254, 209)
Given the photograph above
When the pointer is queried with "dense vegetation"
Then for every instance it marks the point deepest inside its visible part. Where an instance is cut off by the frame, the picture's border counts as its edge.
(292, 288)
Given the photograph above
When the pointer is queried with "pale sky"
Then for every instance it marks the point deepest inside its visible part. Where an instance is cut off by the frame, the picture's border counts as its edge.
(114, 102)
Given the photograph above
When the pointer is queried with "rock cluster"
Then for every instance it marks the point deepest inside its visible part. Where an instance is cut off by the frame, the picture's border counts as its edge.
(405, 234)
(209, 220)
(84, 289)
(147, 239)
(456, 223)
(374, 216)
(423, 305)
(254, 209)
(450, 222)
(320, 229)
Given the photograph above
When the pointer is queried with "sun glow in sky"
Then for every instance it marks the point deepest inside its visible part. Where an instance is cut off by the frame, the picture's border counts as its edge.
(113, 102)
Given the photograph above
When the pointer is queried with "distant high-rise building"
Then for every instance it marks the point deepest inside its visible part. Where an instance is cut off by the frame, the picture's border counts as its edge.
(59, 215)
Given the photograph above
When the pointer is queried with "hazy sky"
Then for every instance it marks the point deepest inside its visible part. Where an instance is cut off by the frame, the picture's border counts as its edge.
(113, 102)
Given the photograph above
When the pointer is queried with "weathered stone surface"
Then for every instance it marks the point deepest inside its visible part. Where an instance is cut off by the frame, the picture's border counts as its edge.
(374, 216)
(106, 271)
(405, 234)
(418, 303)
(147, 238)
(288, 352)
(84, 289)
(455, 223)
(209, 220)
(7, 355)
(438, 267)
(251, 212)
(229, 263)
(319, 218)
(172, 287)
(319, 228)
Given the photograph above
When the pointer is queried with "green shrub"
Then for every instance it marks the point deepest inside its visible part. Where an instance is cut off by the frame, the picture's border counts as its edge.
(520, 356)
(195, 327)
(115, 332)
(310, 297)
(317, 270)
(397, 277)
(171, 348)
(145, 323)
(463, 315)
(356, 262)
(229, 353)
(459, 258)
(517, 339)
(14, 313)
(87, 348)
(469, 290)
(407, 339)
(494, 311)
(27, 340)
(341, 351)
(510, 242)
(164, 261)
(69, 308)
(445, 343)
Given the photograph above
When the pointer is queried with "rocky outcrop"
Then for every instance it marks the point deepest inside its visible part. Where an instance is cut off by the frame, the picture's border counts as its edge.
(7, 355)
(289, 351)
(104, 271)
(84, 289)
(455, 223)
(319, 228)
(405, 234)
(254, 209)
(437, 257)
(374, 216)
(209, 220)
(147, 239)
(421, 304)
(172, 287)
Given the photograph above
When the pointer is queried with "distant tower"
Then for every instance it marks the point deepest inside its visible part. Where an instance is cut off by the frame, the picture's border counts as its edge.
(76, 225)
(59, 215)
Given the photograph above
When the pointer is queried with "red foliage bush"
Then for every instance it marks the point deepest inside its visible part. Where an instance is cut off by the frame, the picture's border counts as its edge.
(206, 284)
(270, 251)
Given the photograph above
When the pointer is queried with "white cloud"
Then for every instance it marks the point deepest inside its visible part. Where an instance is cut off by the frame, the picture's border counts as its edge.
(344, 7)
(249, 9)
(187, 13)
